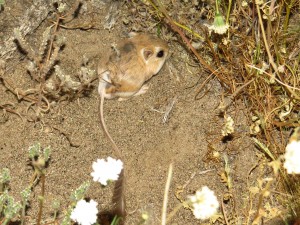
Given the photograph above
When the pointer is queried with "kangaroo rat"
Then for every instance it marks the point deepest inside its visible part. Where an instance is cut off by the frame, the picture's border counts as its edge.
(122, 75)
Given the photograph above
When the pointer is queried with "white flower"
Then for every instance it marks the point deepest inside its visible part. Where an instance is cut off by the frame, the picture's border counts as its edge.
(106, 170)
(228, 127)
(62, 7)
(219, 26)
(244, 4)
(85, 213)
(204, 203)
(281, 69)
(292, 157)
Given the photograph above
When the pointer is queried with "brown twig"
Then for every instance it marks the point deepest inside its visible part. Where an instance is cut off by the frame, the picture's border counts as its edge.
(224, 212)
(4, 107)
(68, 136)
(202, 85)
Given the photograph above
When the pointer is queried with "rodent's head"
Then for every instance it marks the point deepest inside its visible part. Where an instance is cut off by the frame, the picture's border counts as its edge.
(154, 57)
(153, 51)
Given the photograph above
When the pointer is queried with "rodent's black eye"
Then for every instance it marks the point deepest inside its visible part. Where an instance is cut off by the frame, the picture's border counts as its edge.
(160, 54)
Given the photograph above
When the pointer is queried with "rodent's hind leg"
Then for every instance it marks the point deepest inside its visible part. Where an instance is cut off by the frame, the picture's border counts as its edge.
(142, 90)
(105, 87)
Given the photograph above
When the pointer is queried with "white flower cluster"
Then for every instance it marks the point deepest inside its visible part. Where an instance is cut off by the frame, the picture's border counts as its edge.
(205, 204)
(219, 26)
(85, 213)
(228, 127)
(292, 157)
(105, 171)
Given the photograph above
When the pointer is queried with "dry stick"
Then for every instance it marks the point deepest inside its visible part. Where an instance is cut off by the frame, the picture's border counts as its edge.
(53, 37)
(12, 89)
(290, 123)
(165, 203)
(265, 40)
(24, 94)
(43, 76)
(224, 212)
(68, 136)
(201, 86)
(280, 82)
(11, 111)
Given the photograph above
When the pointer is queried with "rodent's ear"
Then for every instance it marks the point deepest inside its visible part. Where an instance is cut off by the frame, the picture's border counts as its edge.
(147, 53)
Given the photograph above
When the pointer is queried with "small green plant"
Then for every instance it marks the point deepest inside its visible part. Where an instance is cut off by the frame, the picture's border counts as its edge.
(8, 207)
(4, 179)
(76, 196)
(39, 158)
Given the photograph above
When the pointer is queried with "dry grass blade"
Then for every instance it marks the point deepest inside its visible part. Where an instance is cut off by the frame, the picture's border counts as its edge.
(166, 194)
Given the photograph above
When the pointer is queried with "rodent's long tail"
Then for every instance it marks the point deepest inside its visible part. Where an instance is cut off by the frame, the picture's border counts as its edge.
(103, 125)
(118, 198)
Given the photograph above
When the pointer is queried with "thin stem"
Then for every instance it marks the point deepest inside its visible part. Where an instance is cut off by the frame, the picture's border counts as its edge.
(287, 19)
(53, 37)
(217, 7)
(41, 200)
(5, 221)
(165, 203)
(23, 213)
(265, 40)
(228, 11)
(189, 30)
(263, 194)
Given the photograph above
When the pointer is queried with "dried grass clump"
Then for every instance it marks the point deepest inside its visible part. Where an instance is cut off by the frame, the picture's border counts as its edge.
(256, 61)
